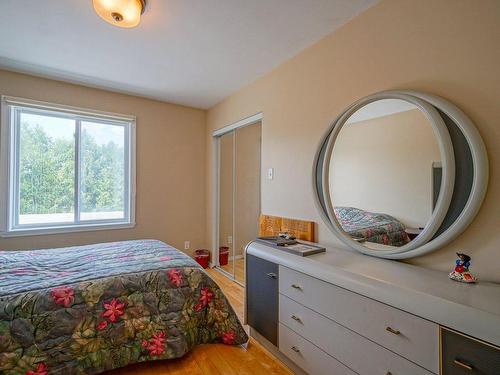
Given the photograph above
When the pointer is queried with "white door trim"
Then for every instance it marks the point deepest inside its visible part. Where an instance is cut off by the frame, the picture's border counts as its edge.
(239, 124)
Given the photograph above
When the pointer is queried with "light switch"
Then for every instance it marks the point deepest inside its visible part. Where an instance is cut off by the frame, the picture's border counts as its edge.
(270, 173)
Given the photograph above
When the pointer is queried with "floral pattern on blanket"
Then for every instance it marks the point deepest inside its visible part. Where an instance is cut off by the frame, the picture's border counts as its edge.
(372, 227)
(88, 309)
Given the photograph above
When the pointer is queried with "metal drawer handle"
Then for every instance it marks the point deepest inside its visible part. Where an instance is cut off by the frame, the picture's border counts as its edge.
(295, 286)
(296, 318)
(272, 275)
(295, 349)
(391, 330)
(463, 364)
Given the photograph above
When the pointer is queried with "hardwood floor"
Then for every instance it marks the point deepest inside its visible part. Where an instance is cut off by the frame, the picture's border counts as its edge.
(216, 359)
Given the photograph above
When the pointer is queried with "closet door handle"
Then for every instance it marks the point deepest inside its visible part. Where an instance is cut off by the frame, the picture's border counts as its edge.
(295, 286)
(272, 275)
(392, 330)
(463, 364)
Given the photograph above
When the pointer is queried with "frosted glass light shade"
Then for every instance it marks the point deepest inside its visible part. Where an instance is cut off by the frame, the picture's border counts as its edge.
(122, 13)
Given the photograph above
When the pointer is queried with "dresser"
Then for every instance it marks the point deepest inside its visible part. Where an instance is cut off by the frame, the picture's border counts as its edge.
(345, 313)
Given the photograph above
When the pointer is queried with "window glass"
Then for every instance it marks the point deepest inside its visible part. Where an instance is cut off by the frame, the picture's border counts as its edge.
(46, 169)
(102, 171)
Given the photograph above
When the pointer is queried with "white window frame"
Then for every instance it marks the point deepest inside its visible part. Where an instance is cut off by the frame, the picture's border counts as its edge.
(9, 153)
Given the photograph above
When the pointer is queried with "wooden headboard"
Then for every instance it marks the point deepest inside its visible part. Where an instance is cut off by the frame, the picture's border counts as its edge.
(273, 225)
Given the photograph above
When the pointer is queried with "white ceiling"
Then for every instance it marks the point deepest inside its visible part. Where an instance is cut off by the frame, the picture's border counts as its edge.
(191, 52)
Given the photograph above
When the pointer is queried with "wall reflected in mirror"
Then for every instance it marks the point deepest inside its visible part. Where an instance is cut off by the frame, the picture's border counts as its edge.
(385, 173)
(239, 169)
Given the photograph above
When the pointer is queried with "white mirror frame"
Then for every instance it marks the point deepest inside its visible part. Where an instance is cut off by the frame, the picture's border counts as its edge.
(424, 243)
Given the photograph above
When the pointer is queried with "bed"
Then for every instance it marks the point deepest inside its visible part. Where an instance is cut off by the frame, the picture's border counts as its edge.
(89, 309)
(372, 227)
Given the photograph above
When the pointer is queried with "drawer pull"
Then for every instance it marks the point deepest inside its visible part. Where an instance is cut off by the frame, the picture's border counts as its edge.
(295, 349)
(296, 318)
(463, 364)
(272, 275)
(392, 330)
(295, 286)
(388, 373)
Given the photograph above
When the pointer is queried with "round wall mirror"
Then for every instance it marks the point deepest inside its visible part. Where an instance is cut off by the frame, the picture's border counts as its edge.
(399, 174)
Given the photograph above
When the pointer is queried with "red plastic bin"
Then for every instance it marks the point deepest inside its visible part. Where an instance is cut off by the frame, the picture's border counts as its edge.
(202, 256)
(223, 255)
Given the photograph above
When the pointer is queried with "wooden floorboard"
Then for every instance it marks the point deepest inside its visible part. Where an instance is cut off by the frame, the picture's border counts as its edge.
(216, 359)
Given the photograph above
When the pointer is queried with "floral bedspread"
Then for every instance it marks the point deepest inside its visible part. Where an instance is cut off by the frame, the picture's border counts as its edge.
(88, 309)
(372, 227)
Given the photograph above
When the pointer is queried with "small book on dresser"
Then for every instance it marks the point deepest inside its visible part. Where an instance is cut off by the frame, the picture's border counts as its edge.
(291, 246)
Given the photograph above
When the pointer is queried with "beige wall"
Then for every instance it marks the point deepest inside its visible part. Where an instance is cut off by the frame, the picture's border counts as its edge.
(445, 47)
(170, 171)
(384, 165)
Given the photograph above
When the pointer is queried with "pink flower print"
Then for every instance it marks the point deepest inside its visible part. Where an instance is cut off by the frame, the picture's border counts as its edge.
(156, 345)
(228, 337)
(205, 298)
(114, 310)
(102, 325)
(63, 295)
(175, 277)
(385, 239)
(165, 259)
(40, 370)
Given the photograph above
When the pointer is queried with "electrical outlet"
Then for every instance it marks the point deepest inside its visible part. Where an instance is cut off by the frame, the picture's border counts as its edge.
(229, 240)
(187, 245)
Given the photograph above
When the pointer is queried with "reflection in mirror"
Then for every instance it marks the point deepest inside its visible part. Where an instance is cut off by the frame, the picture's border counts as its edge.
(226, 202)
(385, 173)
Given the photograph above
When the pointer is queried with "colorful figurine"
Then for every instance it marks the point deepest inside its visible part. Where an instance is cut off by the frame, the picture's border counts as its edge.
(461, 271)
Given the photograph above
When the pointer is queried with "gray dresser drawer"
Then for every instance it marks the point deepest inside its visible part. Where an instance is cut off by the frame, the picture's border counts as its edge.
(410, 336)
(461, 355)
(307, 356)
(356, 352)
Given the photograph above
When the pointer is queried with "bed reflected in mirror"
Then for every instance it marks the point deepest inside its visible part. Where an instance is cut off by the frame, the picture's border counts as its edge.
(385, 173)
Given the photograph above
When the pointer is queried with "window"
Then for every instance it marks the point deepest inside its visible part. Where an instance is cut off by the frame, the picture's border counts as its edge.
(65, 169)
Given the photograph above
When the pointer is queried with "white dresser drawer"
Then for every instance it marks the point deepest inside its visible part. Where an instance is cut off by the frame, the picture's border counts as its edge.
(307, 356)
(353, 350)
(412, 337)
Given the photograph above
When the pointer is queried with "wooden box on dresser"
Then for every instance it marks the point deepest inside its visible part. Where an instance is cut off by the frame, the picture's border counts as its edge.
(345, 313)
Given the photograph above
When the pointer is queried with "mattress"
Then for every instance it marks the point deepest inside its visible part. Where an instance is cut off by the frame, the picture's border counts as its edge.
(88, 309)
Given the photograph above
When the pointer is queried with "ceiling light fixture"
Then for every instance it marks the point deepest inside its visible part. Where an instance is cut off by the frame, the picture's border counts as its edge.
(122, 13)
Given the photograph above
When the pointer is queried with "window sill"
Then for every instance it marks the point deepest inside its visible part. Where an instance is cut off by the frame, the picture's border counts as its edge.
(65, 229)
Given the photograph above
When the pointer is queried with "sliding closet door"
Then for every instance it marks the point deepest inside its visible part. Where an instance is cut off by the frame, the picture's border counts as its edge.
(247, 193)
(226, 200)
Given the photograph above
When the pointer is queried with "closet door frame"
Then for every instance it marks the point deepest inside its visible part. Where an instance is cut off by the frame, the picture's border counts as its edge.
(217, 134)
